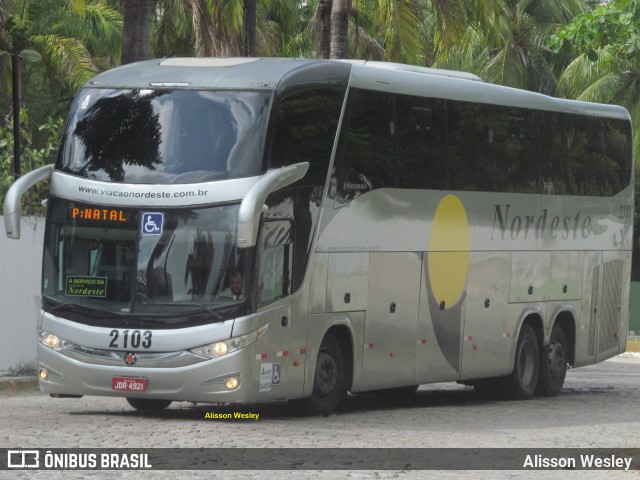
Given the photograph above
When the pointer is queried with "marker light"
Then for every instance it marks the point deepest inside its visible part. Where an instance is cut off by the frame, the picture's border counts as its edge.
(54, 342)
(223, 347)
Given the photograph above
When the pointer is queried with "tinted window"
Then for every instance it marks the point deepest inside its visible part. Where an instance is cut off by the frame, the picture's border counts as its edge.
(304, 130)
(404, 141)
(164, 136)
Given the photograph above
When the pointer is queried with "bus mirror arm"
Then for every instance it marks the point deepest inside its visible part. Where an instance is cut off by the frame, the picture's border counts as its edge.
(13, 198)
(252, 204)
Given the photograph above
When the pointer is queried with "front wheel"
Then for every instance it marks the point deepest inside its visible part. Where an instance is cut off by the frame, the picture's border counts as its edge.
(523, 380)
(148, 404)
(328, 380)
(553, 364)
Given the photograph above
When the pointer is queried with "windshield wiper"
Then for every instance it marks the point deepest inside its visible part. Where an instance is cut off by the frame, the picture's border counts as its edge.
(78, 306)
(215, 314)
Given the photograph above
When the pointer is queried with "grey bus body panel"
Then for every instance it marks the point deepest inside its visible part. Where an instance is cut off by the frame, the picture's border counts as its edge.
(436, 85)
(202, 73)
(168, 340)
(180, 195)
(530, 257)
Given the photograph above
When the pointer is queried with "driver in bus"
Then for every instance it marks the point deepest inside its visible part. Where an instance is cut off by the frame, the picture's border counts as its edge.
(234, 290)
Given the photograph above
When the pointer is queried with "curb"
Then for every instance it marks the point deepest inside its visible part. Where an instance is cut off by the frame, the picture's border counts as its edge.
(18, 384)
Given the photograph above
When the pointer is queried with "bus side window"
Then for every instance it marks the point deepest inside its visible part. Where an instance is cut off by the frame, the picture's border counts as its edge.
(275, 252)
(368, 147)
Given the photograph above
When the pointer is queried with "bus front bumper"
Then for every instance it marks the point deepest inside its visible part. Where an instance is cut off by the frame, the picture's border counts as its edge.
(205, 382)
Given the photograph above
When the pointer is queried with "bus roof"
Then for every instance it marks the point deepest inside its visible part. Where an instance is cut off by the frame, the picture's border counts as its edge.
(267, 74)
(199, 73)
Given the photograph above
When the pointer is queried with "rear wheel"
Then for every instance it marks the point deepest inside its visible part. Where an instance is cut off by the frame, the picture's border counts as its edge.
(523, 380)
(328, 380)
(148, 404)
(553, 364)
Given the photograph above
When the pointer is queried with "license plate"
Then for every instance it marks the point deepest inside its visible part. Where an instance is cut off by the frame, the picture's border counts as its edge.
(129, 384)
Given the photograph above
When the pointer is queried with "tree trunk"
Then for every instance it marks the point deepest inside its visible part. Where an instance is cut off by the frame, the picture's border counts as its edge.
(339, 29)
(205, 36)
(323, 46)
(250, 27)
(136, 42)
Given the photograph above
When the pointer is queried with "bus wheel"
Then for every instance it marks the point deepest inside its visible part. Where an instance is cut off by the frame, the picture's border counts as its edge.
(328, 380)
(148, 404)
(553, 364)
(524, 378)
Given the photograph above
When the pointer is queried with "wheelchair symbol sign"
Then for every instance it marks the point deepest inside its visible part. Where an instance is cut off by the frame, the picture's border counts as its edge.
(152, 223)
(275, 378)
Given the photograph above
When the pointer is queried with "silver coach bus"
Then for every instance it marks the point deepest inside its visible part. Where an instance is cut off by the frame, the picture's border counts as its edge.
(248, 230)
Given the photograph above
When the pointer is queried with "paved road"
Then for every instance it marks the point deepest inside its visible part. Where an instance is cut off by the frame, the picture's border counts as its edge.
(599, 407)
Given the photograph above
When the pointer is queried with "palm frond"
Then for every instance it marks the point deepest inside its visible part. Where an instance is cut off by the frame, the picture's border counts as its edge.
(634, 110)
(78, 7)
(506, 68)
(105, 25)
(582, 73)
(604, 90)
(67, 58)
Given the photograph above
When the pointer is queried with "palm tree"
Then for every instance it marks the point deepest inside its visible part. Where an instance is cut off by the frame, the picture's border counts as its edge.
(172, 29)
(607, 69)
(136, 40)
(323, 46)
(381, 29)
(250, 27)
(76, 39)
(608, 79)
(397, 24)
(224, 27)
(516, 54)
(339, 29)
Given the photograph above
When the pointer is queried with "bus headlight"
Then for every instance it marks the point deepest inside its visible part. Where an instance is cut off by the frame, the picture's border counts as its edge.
(54, 342)
(217, 349)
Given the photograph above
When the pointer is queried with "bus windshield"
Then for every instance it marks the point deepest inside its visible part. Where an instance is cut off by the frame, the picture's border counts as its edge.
(131, 261)
(164, 136)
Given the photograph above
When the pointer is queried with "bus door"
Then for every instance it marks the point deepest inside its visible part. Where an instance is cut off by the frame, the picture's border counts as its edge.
(275, 252)
(609, 306)
(391, 325)
(487, 333)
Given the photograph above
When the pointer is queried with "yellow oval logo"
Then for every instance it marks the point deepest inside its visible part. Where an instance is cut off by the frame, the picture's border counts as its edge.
(449, 248)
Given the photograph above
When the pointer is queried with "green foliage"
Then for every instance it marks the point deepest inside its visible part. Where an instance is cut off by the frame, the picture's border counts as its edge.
(32, 157)
(614, 26)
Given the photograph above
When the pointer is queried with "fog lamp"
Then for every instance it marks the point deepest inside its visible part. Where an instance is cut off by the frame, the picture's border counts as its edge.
(232, 383)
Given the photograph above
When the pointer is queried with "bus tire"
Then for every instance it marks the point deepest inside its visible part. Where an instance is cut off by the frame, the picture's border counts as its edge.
(522, 382)
(148, 404)
(328, 380)
(553, 364)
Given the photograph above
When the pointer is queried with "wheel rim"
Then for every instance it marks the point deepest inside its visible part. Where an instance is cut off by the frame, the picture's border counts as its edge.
(326, 374)
(557, 360)
(526, 364)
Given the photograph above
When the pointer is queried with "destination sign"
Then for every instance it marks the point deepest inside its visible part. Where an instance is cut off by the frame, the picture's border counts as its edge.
(98, 214)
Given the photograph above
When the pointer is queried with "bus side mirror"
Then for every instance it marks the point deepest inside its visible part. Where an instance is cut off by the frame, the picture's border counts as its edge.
(252, 203)
(13, 198)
